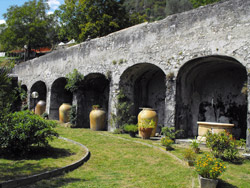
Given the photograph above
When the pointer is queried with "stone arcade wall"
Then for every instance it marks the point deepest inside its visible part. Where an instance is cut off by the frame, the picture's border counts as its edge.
(199, 38)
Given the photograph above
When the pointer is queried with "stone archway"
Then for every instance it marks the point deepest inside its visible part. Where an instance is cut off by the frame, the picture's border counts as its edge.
(144, 86)
(59, 95)
(94, 90)
(209, 89)
(41, 88)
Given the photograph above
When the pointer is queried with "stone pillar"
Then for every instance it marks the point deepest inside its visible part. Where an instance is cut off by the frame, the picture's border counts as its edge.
(248, 113)
(48, 98)
(114, 89)
(169, 120)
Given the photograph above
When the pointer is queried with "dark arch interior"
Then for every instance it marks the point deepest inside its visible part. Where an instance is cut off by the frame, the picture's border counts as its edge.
(144, 86)
(94, 90)
(209, 89)
(59, 95)
(39, 87)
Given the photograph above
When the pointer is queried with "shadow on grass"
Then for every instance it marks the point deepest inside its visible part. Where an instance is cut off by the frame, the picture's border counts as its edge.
(224, 184)
(54, 182)
(22, 166)
(37, 153)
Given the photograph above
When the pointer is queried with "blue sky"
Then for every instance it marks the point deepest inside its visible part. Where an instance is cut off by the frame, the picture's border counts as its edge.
(5, 4)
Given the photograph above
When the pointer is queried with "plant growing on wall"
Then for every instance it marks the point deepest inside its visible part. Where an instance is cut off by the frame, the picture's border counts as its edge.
(123, 107)
(73, 116)
(74, 80)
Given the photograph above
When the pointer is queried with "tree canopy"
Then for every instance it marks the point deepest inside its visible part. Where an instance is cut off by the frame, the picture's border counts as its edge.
(80, 19)
(27, 25)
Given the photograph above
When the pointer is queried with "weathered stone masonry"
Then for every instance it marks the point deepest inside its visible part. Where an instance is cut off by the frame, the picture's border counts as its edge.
(189, 67)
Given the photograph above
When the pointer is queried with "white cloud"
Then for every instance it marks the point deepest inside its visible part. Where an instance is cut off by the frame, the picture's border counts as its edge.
(54, 4)
(2, 22)
(50, 12)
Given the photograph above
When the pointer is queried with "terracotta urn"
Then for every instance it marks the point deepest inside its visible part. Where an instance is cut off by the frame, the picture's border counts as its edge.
(145, 132)
(97, 119)
(40, 107)
(64, 111)
(148, 114)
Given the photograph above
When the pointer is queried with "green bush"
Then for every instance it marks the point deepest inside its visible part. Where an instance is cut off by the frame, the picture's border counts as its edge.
(21, 130)
(170, 132)
(222, 145)
(167, 142)
(131, 128)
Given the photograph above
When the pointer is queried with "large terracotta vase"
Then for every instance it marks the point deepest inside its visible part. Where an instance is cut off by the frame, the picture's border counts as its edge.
(148, 114)
(64, 111)
(145, 132)
(40, 107)
(97, 119)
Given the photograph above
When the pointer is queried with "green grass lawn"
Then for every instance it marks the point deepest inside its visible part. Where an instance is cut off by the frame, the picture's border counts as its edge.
(60, 154)
(118, 161)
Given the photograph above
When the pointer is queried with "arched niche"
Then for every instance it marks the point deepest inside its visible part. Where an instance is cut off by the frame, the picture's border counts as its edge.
(59, 95)
(209, 89)
(94, 90)
(41, 88)
(144, 86)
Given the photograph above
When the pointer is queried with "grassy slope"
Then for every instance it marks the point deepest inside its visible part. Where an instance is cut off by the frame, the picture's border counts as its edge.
(123, 163)
(120, 163)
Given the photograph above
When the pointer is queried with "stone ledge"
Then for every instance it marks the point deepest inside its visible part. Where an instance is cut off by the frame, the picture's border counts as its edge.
(49, 174)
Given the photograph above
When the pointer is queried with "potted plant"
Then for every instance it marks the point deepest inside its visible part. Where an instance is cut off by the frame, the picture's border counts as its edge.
(146, 127)
(167, 142)
(189, 156)
(195, 145)
(209, 168)
(132, 129)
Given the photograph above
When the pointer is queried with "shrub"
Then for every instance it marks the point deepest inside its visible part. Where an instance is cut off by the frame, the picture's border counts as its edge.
(222, 145)
(195, 144)
(167, 142)
(170, 132)
(131, 128)
(209, 167)
(21, 130)
(189, 154)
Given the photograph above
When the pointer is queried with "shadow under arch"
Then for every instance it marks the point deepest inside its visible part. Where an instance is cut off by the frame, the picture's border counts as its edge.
(144, 85)
(41, 88)
(94, 90)
(209, 89)
(59, 95)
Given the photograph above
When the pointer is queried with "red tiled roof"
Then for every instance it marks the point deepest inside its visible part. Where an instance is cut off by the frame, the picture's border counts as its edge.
(39, 50)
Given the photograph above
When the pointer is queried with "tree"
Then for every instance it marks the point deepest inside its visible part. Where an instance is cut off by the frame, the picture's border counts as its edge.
(173, 6)
(81, 19)
(27, 25)
(197, 3)
(7, 93)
